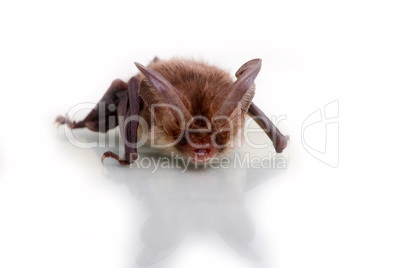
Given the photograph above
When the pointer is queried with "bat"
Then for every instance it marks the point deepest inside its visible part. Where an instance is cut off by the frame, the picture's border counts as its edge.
(188, 107)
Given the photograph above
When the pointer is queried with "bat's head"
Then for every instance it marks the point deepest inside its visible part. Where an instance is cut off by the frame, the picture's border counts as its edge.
(197, 109)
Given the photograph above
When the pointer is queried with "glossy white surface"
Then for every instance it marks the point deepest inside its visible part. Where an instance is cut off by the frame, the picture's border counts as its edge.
(60, 207)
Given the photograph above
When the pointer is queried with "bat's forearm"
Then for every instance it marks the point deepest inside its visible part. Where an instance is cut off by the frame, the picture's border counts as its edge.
(279, 140)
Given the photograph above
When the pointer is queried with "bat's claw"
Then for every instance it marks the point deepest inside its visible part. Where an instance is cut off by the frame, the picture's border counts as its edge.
(103, 158)
(110, 154)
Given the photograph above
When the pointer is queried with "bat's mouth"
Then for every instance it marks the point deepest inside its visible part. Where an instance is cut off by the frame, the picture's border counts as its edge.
(202, 155)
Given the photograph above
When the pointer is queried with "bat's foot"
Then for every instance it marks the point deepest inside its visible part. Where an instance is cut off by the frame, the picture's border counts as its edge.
(122, 161)
(61, 120)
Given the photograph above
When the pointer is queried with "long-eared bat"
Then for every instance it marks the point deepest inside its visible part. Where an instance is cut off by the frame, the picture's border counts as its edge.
(191, 108)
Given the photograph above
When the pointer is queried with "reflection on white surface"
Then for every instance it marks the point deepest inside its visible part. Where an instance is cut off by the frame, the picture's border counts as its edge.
(198, 199)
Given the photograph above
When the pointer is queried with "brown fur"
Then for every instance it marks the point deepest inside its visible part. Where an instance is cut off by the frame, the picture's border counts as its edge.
(196, 80)
(199, 84)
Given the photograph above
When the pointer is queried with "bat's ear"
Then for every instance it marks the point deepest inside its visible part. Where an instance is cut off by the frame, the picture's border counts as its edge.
(254, 65)
(157, 91)
(238, 96)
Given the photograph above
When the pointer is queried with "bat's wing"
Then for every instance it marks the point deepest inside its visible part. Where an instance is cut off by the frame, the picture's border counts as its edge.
(128, 111)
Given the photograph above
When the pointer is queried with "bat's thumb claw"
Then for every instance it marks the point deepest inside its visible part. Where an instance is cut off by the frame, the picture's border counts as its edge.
(114, 156)
(106, 155)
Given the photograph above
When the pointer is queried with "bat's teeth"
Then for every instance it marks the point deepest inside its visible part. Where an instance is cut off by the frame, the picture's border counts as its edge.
(202, 155)
(202, 152)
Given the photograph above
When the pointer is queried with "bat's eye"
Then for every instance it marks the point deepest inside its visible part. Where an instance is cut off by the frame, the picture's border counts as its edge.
(222, 139)
(183, 141)
(218, 141)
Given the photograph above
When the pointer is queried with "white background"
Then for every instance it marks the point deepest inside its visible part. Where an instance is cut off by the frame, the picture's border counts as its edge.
(59, 207)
